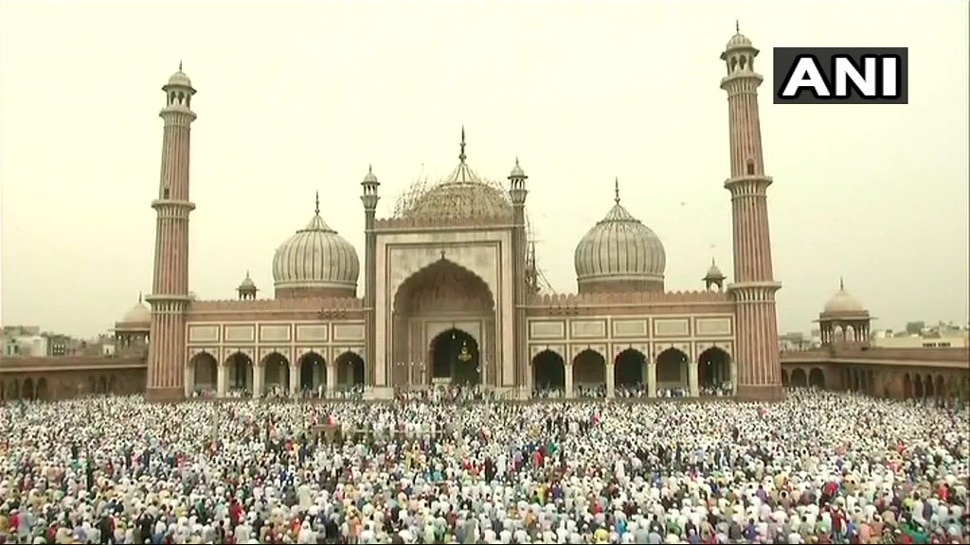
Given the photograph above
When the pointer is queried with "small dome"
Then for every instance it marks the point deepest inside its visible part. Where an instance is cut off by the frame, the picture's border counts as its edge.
(370, 178)
(247, 283)
(179, 79)
(843, 302)
(139, 314)
(714, 273)
(517, 171)
(315, 261)
(737, 41)
(620, 253)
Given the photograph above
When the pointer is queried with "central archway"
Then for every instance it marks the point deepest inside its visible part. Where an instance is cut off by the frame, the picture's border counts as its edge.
(548, 372)
(455, 356)
(443, 293)
(628, 372)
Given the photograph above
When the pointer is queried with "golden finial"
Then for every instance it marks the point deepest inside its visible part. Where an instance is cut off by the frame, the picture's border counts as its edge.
(180, 65)
(316, 207)
(616, 190)
(737, 26)
(841, 284)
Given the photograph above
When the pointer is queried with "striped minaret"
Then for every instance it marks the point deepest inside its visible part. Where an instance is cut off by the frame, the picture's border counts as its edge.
(170, 289)
(756, 354)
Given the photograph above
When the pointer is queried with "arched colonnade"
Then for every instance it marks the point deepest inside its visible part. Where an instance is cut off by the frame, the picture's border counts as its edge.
(670, 372)
(310, 375)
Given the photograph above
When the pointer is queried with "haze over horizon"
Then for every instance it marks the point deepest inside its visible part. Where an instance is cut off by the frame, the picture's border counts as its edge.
(294, 98)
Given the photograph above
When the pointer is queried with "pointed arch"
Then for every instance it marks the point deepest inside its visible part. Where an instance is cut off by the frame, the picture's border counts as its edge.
(548, 371)
(713, 368)
(205, 372)
(441, 269)
(907, 386)
(816, 378)
(350, 369)
(113, 385)
(240, 373)
(918, 391)
(629, 369)
(27, 390)
(942, 390)
(785, 381)
(798, 378)
(929, 386)
(455, 355)
(672, 368)
(589, 370)
(313, 373)
(276, 374)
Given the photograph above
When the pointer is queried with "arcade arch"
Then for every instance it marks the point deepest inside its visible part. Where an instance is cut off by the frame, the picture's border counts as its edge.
(239, 376)
(455, 358)
(589, 372)
(443, 292)
(350, 370)
(313, 373)
(816, 378)
(672, 369)
(548, 371)
(276, 374)
(205, 372)
(798, 378)
(629, 370)
(713, 368)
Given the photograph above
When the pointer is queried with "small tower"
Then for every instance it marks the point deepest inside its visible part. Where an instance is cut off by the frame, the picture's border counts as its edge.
(369, 197)
(170, 299)
(521, 286)
(714, 277)
(844, 319)
(247, 289)
(754, 287)
(532, 270)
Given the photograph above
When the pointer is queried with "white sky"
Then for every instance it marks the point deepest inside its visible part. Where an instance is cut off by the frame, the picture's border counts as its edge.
(296, 97)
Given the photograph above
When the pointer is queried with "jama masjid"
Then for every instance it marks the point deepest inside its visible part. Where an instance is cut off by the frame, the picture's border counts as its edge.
(450, 291)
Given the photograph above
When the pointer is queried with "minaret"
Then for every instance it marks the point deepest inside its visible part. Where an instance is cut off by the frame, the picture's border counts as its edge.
(518, 193)
(369, 198)
(756, 354)
(170, 289)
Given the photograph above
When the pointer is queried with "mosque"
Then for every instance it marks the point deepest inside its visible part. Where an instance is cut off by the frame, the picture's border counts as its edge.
(451, 291)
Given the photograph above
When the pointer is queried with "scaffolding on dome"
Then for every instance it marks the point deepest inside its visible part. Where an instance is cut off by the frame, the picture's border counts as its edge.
(465, 180)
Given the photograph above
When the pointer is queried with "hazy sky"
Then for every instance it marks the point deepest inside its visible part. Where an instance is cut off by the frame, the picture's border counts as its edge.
(295, 98)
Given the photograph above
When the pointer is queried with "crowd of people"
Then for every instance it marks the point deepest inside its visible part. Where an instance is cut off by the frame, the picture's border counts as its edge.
(820, 467)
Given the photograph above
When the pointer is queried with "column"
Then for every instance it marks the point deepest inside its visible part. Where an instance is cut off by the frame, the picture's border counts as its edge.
(734, 377)
(222, 376)
(189, 381)
(294, 380)
(331, 378)
(610, 380)
(569, 380)
(692, 379)
(258, 376)
(651, 379)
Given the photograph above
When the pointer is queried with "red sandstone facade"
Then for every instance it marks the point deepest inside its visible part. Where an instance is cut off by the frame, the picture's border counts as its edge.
(452, 293)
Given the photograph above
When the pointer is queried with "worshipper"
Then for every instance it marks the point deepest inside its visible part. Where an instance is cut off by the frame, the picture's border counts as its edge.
(455, 465)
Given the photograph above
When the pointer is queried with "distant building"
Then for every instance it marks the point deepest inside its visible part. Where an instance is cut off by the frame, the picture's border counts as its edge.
(942, 335)
(23, 341)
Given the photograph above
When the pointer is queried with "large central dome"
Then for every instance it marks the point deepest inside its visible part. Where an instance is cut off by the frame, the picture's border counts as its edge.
(462, 195)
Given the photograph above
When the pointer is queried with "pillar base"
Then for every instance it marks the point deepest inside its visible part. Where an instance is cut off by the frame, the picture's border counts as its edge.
(760, 392)
(164, 395)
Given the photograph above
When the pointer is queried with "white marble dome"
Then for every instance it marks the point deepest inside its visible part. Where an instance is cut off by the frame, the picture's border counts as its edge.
(843, 302)
(620, 253)
(138, 315)
(315, 259)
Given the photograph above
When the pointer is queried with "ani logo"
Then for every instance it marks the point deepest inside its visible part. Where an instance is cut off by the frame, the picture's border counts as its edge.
(851, 75)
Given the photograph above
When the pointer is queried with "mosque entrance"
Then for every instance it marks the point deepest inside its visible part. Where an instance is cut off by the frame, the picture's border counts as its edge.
(443, 327)
(455, 356)
(629, 369)
(313, 374)
(672, 371)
